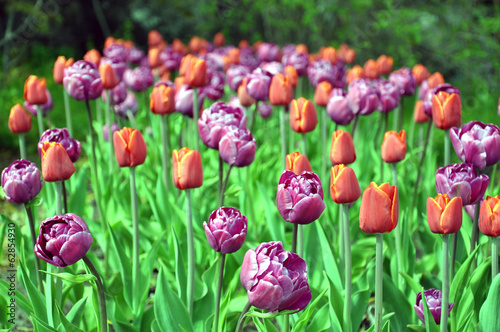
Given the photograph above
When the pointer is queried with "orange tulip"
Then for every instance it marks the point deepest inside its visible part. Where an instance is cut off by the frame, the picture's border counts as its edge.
(342, 148)
(154, 57)
(379, 210)
(93, 56)
(109, 41)
(162, 99)
(330, 54)
(347, 54)
(154, 38)
(165, 74)
(355, 72)
(243, 96)
(179, 82)
(420, 72)
(446, 110)
(384, 64)
(281, 90)
(179, 47)
(35, 90)
(292, 75)
(243, 44)
(19, 120)
(297, 163)
(130, 148)
(195, 44)
(394, 146)
(322, 93)
(370, 69)
(108, 76)
(303, 116)
(489, 216)
(58, 70)
(56, 165)
(234, 56)
(419, 115)
(196, 72)
(302, 48)
(219, 39)
(435, 79)
(444, 215)
(256, 45)
(69, 62)
(187, 171)
(344, 186)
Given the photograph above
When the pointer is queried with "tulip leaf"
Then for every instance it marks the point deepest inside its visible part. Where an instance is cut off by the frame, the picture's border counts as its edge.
(464, 327)
(320, 321)
(37, 201)
(415, 286)
(71, 278)
(66, 323)
(385, 321)
(180, 270)
(75, 314)
(480, 277)
(328, 261)
(267, 326)
(336, 304)
(35, 296)
(41, 326)
(269, 314)
(300, 324)
(276, 227)
(416, 328)
(430, 324)
(398, 303)
(489, 320)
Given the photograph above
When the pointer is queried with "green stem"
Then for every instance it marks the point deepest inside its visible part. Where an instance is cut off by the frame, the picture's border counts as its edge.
(223, 188)
(221, 175)
(219, 291)
(59, 195)
(49, 301)
(304, 144)
(166, 148)
(190, 241)
(131, 118)
(453, 254)
(286, 326)
(195, 119)
(379, 277)
(445, 285)
(354, 125)
(39, 116)
(294, 237)
(341, 243)
(402, 113)
(324, 144)
(136, 248)
(241, 320)
(253, 115)
(111, 156)
(64, 196)
(22, 146)
(446, 147)
(348, 269)
(67, 110)
(103, 316)
(300, 241)
(494, 257)
(399, 255)
(475, 228)
(33, 243)
(283, 138)
(98, 110)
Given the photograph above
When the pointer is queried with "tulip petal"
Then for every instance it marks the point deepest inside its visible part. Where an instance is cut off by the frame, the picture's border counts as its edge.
(76, 247)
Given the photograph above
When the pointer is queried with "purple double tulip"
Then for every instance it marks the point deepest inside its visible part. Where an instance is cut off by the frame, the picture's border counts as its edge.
(170, 59)
(433, 298)
(21, 181)
(275, 279)
(61, 135)
(477, 143)
(363, 97)
(235, 75)
(135, 55)
(82, 81)
(184, 100)
(118, 94)
(258, 83)
(338, 107)
(129, 104)
(268, 52)
(300, 197)
(226, 230)
(273, 67)
(237, 146)
(405, 80)
(389, 95)
(116, 51)
(215, 87)
(139, 78)
(299, 61)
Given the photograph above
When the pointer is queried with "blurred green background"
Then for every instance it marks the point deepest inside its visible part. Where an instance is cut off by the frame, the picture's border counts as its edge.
(458, 38)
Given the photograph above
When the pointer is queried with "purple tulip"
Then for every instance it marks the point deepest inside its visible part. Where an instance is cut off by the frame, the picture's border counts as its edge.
(139, 78)
(338, 107)
(129, 104)
(63, 240)
(135, 55)
(323, 70)
(214, 120)
(82, 80)
(265, 110)
(116, 51)
(288, 49)
(235, 75)
(171, 59)
(299, 61)
(215, 88)
(461, 180)
(258, 83)
(389, 95)
(405, 80)
(363, 97)
(433, 298)
(105, 130)
(117, 65)
(45, 108)
(272, 67)
(184, 100)
(275, 279)
(118, 94)
(498, 106)
(300, 197)
(477, 143)
(247, 59)
(61, 135)
(237, 146)
(21, 181)
(226, 230)
(268, 52)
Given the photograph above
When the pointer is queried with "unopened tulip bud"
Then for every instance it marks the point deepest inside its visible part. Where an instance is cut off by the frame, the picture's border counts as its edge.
(342, 149)
(19, 120)
(35, 90)
(130, 148)
(394, 146)
(56, 164)
(297, 163)
(344, 186)
(379, 210)
(444, 215)
(187, 172)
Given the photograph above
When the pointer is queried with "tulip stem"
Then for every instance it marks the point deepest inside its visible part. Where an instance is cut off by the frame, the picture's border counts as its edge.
(110, 133)
(166, 148)
(22, 146)
(223, 188)
(221, 173)
(446, 147)
(294, 237)
(131, 118)
(341, 244)
(98, 110)
(283, 139)
(219, 291)
(253, 115)
(453, 254)
(324, 148)
(241, 320)
(48, 295)
(65, 198)
(354, 125)
(195, 118)
(398, 230)
(446, 285)
(385, 121)
(348, 269)
(402, 113)
(379, 275)
(190, 242)
(67, 110)
(475, 228)
(136, 248)
(103, 316)
(33, 242)
(59, 194)
(39, 117)
(494, 257)
(304, 144)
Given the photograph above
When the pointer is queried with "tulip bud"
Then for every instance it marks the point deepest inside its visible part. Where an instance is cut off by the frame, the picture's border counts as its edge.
(187, 172)
(19, 120)
(108, 76)
(302, 49)
(379, 210)
(420, 72)
(338, 107)
(433, 297)
(139, 78)
(370, 69)
(265, 110)
(58, 70)
(56, 164)
(303, 116)
(363, 97)
(419, 116)
(291, 73)
(394, 146)
(446, 110)
(243, 44)
(243, 96)
(196, 72)
(83, 81)
(297, 163)
(93, 56)
(344, 186)
(281, 90)
(34, 90)
(63, 240)
(154, 38)
(258, 83)
(237, 146)
(226, 230)
(162, 100)
(390, 94)
(234, 56)
(355, 72)
(342, 148)
(384, 65)
(21, 181)
(61, 135)
(330, 54)
(435, 80)
(130, 148)
(444, 215)
(219, 39)
(322, 93)
(489, 216)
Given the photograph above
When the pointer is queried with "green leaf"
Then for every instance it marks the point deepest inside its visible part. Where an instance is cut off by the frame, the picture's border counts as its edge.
(267, 326)
(416, 328)
(35, 296)
(37, 201)
(21, 300)
(276, 226)
(385, 321)
(66, 323)
(430, 324)
(71, 278)
(489, 319)
(415, 286)
(336, 304)
(330, 265)
(75, 314)
(320, 321)
(42, 326)
(300, 324)
(180, 268)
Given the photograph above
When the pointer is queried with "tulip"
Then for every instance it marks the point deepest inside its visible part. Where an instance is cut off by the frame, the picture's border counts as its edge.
(19, 120)
(405, 80)
(35, 90)
(462, 180)
(499, 107)
(353, 73)
(394, 146)
(433, 297)
(427, 94)
(322, 93)
(370, 69)
(280, 90)
(58, 70)
(184, 100)
(297, 163)
(21, 181)
(444, 215)
(61, 135)
(139, 78)
(226, 230)
(237, 146)
(344, 186)
(268, 52)
(303, 116)
(489, 216)
(93, 56)
(265, 110)
(300, 197)
(108, 76)
(435, 80)
(297, 60)
(243, 95)
(277, 286)
(162, 100)
(235, 75)
(219, 39)
(363, 98)
(105, 130)
(63, 240)
(323, 70)
(214, 90)
(44, 109)
(419, 116)
(330, 54)
(379, 210)
(196, 72)
(338, 107)
(234, 56)
(187, 172)
(116, 51)
(134, 55)
(128, 105)
(56, 164)
(154, 57)
(82, 81)
(446, 110)
(130, 148)
(291, 73)
(302, 49)
(154, 38)
(258, 83)
(420, 72)
(384, 65)
(477, 143)
(342, 148)
(118, 94)
(390, 94)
